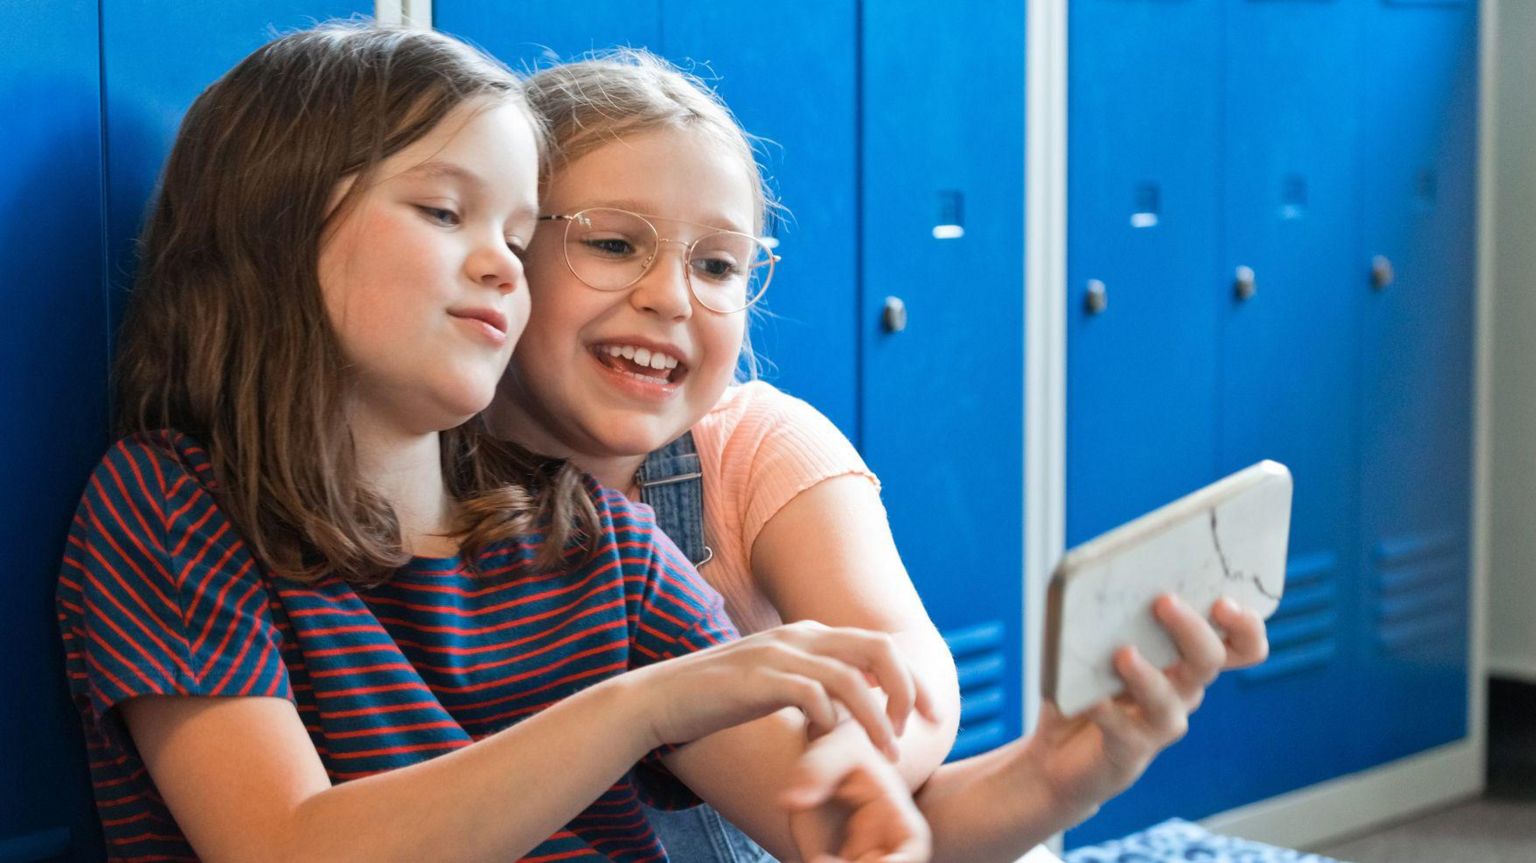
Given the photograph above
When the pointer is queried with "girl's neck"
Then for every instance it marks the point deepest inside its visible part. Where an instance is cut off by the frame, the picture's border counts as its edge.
(406, 469)
(508, 422)
(616, 472)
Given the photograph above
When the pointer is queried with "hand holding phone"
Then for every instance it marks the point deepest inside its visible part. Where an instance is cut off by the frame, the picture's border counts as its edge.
(1227, 539)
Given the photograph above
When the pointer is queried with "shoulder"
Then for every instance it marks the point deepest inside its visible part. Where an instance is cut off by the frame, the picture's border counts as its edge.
(756, 425)
(751, 412)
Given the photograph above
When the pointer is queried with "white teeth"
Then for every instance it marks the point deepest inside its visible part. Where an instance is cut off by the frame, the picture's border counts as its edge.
(642, 356)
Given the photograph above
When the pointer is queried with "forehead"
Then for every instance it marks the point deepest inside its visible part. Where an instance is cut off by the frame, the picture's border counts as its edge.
(679, 173)
(485, 142)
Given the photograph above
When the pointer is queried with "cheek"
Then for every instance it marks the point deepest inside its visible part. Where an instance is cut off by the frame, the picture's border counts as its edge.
(721, 340)
(517, 318)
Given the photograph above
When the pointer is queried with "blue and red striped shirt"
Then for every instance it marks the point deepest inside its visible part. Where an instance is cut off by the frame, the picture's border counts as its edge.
(159, 595)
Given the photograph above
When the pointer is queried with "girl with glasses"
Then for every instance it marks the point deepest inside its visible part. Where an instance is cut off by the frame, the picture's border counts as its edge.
(644, 262)
(311, 611)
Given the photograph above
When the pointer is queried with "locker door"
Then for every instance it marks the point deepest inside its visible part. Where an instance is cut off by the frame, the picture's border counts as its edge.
(1143, 161)
(942, 381)
(1286, 386)
(1417, 160)
(534, 33)
(766, 65)
(53, 353)
(1143, 99)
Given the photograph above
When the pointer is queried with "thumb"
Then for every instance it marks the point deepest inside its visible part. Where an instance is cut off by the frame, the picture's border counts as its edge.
(826, 763)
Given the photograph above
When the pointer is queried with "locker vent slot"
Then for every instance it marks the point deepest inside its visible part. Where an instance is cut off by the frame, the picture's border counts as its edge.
(1303, 632)
(1148, 205)
(1426, 187)
(1293, 196)
(1420, 589)
(984, 679)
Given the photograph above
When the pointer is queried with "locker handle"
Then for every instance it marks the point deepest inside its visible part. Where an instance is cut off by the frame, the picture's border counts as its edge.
(894, 316)
(1097, 298)
(1382, 273)
(1244, 283)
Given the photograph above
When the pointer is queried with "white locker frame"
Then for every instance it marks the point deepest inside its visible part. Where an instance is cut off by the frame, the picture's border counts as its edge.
(1512, 546)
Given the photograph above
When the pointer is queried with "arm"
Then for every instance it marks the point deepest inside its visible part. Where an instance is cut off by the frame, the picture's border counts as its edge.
(996, 806)
(245, 782)
(828, 555)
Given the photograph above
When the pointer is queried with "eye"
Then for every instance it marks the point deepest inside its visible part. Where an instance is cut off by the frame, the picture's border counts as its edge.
(439, 215)
(608, 247)
(716, 267)
(517, 247)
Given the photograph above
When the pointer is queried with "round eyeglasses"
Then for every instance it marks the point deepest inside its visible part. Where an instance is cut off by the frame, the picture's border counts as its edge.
(611, 249)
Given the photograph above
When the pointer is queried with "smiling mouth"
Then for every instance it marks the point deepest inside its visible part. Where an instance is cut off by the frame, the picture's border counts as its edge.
(642, 363)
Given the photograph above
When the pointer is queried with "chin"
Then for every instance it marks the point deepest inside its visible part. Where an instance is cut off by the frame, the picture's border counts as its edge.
(633, 438)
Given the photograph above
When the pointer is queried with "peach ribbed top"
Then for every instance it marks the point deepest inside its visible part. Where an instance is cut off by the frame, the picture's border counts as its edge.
(759, 448)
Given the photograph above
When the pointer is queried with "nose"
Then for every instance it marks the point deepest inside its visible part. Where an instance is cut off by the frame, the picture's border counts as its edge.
(493, 265)
(664, 289)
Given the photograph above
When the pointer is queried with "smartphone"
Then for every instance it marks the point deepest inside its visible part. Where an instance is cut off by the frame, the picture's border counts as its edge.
(1227, 539)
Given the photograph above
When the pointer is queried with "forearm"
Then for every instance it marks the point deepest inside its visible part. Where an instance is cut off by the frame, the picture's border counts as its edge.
(986, 809)
(743, 772)
(494, 800)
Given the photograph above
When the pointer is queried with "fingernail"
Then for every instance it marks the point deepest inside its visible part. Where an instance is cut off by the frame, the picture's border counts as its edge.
(797, 798)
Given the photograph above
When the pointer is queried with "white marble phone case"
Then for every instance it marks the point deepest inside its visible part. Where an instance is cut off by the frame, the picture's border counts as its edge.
(1227, 539)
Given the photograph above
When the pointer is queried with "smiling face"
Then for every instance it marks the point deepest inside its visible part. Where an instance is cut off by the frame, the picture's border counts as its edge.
(616, 374)
(421, 275)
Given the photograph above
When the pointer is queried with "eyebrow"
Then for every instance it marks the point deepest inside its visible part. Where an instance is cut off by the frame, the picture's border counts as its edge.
(434, 169)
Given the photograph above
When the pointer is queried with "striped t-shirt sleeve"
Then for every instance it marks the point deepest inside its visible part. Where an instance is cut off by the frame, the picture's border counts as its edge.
(678, 612)
(672, 612)
(158, 595)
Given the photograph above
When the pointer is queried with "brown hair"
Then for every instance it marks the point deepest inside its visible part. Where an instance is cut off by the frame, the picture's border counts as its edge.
(227, 339)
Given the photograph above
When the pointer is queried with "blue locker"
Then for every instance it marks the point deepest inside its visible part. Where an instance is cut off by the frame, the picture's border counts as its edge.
(535, 33)
(1289, 382)
(1142, 203)
(1285, 389)
(942, 376)
(761, 64)
(54, 386)
(1417, 170)
(766, 65)
(144, 96)
(1145, 292)
(1346, 156)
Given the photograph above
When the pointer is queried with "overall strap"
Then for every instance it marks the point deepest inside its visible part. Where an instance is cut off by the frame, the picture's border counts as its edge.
(672, 484)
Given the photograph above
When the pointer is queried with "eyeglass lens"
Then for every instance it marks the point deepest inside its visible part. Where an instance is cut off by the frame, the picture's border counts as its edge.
(611, 249)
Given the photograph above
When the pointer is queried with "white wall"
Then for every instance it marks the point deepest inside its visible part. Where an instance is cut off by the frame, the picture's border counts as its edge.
(1512, 510)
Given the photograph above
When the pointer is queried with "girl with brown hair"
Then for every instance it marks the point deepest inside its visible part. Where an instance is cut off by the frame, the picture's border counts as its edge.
(311, 610)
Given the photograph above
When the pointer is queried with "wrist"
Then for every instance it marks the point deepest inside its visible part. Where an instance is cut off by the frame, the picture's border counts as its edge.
(1032, 785)
(628, 699)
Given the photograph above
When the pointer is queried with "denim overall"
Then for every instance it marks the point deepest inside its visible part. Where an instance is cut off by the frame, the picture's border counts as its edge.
(671, 483)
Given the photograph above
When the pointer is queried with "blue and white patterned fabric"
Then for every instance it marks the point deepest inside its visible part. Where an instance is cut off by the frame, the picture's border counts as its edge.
(1176, 840)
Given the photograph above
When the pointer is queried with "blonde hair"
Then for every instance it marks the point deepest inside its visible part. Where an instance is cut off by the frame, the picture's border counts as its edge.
(603, 97)
(599, 99)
